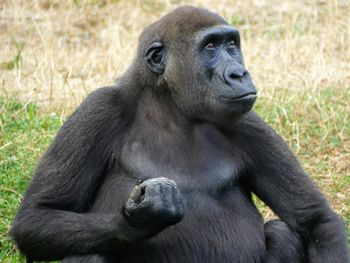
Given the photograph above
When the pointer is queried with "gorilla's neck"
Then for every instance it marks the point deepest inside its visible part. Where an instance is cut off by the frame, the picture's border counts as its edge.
(157, 108)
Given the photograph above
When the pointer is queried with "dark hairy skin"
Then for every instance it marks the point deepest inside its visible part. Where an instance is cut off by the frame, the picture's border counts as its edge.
(161, 167)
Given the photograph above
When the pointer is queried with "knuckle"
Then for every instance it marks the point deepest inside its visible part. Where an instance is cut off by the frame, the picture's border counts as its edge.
(176, 214)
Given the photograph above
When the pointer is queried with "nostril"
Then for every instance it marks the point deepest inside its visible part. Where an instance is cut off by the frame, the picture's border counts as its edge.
(237, 75)
(233, 76)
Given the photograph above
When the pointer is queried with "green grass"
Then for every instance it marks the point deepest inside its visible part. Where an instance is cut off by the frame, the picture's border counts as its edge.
(317, 128)
(24, 136)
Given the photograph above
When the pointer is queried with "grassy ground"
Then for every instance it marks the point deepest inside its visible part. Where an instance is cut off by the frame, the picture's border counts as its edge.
(53, 53)
(24, 136)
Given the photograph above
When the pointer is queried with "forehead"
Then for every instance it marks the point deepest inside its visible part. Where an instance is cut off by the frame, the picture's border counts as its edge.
(214, 31)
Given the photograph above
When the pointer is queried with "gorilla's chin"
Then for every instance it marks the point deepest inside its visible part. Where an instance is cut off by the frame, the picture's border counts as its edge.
(234, 107)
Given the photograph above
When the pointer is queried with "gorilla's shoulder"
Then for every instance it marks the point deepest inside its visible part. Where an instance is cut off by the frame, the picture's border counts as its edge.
(252, 124)
(102, 109)
(251, 120)
(105, 97)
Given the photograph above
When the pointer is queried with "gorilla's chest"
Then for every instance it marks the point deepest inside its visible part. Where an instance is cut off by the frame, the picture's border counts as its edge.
(203, 161)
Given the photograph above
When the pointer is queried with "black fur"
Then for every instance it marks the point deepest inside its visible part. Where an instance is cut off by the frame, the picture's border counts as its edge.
(161, 166)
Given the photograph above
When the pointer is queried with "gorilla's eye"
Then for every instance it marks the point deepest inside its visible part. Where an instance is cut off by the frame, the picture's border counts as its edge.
(157, 57)
(231, 44)
(210, 46)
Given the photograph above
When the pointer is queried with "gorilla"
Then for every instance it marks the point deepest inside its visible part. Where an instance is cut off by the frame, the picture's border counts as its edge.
(161, 167)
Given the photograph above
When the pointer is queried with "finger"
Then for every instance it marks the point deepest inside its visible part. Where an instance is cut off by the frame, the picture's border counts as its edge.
(136, 193)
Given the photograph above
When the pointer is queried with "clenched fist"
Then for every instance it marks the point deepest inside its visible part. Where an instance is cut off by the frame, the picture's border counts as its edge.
(155, 204)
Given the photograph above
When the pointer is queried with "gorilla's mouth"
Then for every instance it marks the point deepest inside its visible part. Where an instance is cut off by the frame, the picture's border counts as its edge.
(243, 97)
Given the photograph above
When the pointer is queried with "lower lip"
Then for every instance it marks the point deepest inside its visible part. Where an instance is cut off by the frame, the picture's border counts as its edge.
(249, 97)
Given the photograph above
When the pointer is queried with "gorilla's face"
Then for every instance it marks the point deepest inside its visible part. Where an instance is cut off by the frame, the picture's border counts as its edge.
(205, 73)
(229, 84)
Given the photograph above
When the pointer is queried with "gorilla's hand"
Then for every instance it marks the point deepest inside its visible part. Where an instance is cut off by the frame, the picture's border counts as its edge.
(155, 204)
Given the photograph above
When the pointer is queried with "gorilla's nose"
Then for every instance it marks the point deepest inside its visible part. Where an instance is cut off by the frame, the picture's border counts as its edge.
(234, 73)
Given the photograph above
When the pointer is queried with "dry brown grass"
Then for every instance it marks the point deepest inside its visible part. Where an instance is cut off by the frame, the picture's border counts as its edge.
(69, 49)
(55, 52)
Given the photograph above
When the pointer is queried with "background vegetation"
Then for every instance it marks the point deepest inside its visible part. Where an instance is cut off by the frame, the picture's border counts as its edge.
(53, 53)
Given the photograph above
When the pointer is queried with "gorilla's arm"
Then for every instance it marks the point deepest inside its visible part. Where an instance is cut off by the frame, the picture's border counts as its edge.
(277, 178)
(51, 222)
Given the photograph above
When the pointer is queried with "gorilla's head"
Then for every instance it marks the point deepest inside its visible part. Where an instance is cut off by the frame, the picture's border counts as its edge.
(196, 56)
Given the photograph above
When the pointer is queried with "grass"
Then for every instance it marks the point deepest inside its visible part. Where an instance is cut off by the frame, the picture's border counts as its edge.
(24, 135)
(318, 131)
(53, 53)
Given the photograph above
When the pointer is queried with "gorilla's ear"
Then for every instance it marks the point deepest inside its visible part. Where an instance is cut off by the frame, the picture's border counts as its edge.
(155, 57)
